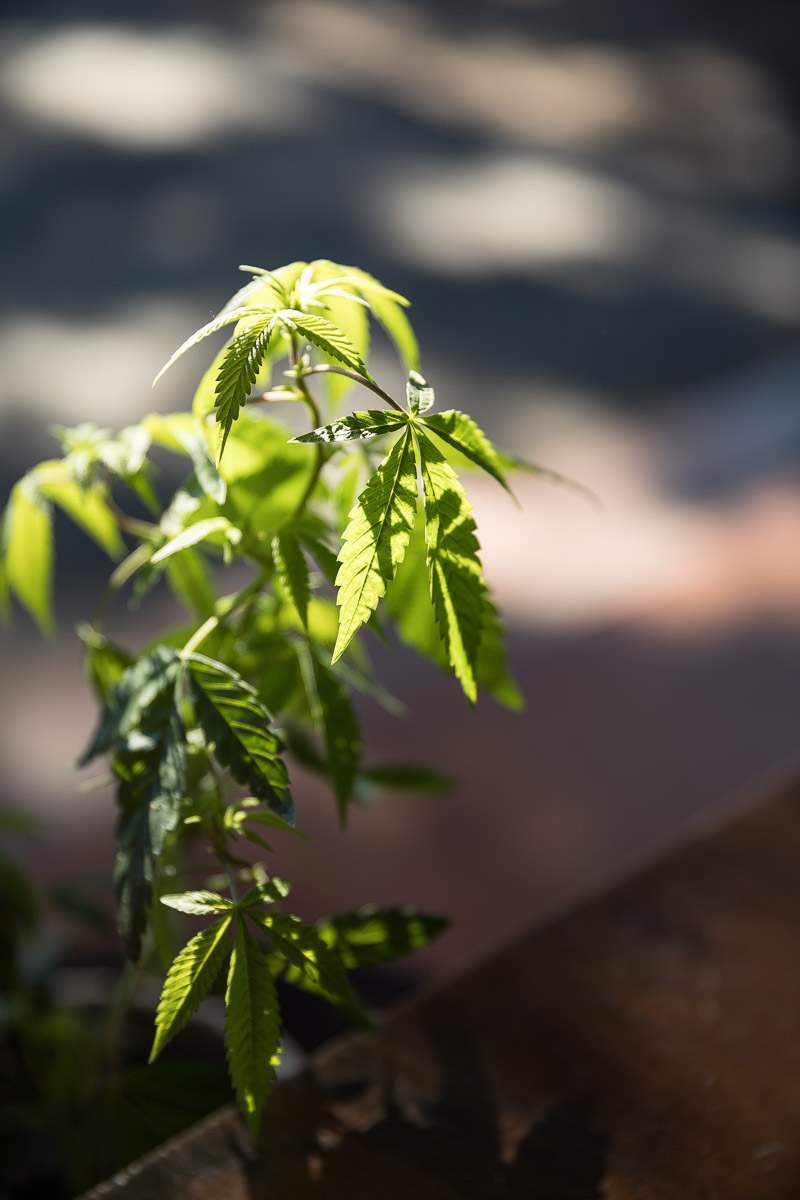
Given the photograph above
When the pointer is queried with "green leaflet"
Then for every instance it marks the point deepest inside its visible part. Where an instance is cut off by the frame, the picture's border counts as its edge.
(199, 904)
(27, 548)
(419, 394)
(87, 507)
(292, 570)
(252, 1025)
(350, 316)
(141, 686)
(378, 935)
(238, 372)
(375, 541)
(405, 777)
(226, 317)
(306, 951)
(356, 426)
(189, 981)
(388, 308)
(198, 532)
(458, 591)
(326, 336)
(461, 432)
(235, 720)
(335, 716)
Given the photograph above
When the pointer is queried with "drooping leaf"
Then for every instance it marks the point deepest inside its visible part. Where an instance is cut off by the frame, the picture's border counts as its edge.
(333, 710)
(189, 981)
(460, 431)
(252, 1025)
(238, 372)
(292, 570)
(226, 317)
(305, 950)
(198, 532)
(458, 591)
(199, 904)
(326, 336)
(27, 547)
(419, 393)
(388, 307)
(358, 426)
(375, 541)
(87, 506)
(141, 685)
(235, 720)
(377, 935)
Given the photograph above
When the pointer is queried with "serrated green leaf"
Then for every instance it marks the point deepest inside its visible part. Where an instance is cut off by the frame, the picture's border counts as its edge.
(141, 685)
(200, 903)
(189, 981)
(349, 315)
(460, 431)
(304, 949)
(375, 541)
(358, 426)
(28, 551)
(405, 777)
(252, 1025)
(226, 317)
(198, 532)
(331, 705)
(238, 372)
(292, 570)
(235, 720)
(458, 592)
(419, 394)
(378, 935)
(326, 336)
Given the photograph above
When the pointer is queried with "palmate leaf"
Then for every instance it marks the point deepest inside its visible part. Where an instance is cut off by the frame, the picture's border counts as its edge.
(458, 591)
(375, 541)
(252, 1024)
(378, 935)
(189, 981)
(292, 570)
(26, 546)
(460, 431)
(307, 953)
(238, 372)
(325, 335)
(235, 720)
(226, 317)
(358, 426)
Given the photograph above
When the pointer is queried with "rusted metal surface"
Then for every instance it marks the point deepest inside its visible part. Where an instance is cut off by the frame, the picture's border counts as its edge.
(645, 1046)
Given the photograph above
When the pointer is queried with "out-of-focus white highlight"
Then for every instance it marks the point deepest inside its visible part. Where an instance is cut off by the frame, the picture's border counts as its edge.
(143, 90)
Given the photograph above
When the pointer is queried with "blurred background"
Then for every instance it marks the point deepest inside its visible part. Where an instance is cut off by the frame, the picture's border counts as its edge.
(614, 182)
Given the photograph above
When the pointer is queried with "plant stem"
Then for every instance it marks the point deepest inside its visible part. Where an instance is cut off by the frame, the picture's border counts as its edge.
(327, 368)
(311, 404)
(199, 635)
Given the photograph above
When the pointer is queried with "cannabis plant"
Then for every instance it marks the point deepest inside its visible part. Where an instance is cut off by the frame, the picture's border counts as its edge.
(359, 526)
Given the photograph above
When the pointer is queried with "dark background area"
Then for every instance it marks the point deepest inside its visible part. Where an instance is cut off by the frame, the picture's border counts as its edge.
(593, 208)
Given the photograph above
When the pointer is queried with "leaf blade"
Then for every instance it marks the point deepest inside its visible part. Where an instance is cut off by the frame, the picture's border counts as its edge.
(188, 982)
(252, 1028)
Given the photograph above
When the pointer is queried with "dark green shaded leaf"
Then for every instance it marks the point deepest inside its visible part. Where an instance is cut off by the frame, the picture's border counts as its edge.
(378, 935)
(252, 1025)
(337, 721)
(305, 950)
(292, 570)
(235, 720)
(404, 777)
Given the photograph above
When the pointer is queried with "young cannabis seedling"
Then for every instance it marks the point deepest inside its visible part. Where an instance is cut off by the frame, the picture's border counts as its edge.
(364, 507)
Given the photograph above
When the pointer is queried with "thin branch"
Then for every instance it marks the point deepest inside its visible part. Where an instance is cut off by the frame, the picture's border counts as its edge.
(325, 368)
